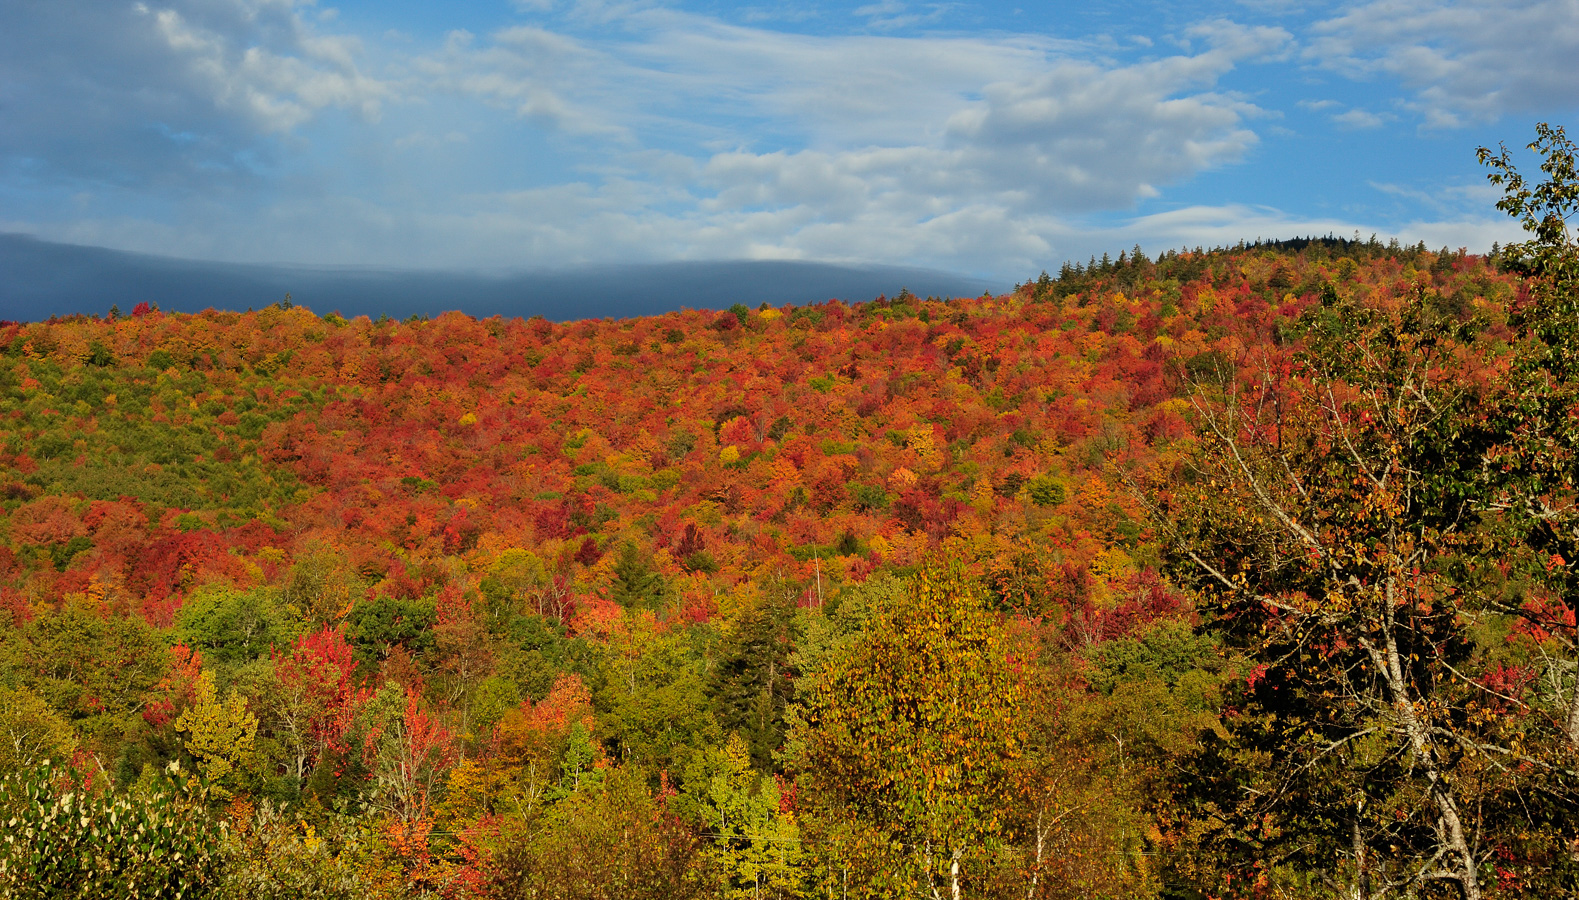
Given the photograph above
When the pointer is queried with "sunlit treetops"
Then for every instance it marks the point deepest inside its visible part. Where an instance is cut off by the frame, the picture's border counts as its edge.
(144, 455)
(835, 599)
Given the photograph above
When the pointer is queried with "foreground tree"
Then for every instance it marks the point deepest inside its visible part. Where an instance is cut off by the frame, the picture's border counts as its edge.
(608, 841)
(909, 741)
(66, 837)
(406, 751)
(1334, 524)
(1535, 464)
(312, 699)
(755, 847)
(220, 734)
(30, 732)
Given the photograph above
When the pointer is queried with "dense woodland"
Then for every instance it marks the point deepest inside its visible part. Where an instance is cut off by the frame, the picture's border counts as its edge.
(1234, 573)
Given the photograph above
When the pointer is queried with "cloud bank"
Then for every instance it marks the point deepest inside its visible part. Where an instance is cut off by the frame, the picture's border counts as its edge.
(272, 130)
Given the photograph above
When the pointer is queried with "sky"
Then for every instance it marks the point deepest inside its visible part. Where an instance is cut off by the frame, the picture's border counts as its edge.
(988, 139)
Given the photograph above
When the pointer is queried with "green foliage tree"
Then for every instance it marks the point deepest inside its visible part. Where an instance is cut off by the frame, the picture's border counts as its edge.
(636, 585)
(1549, 256)
(96, 670)
(1047, 490)
(1103, 755)
(278, 856)
(517, 581)
(1330, 523)
(751, 684)
(650, 694)
(1534, 467)
(611, 842)
(377, 626)
(232, 627)
(322, 586)
(576, 763)
(754, 846)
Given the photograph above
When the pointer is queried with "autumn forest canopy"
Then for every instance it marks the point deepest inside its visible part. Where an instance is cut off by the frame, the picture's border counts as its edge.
(1246, 572)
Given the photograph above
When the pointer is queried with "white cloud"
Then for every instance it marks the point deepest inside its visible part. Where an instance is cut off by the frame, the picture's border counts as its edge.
(1233, 41)
(1230, 223)
(1360, 119)
(429, 141)
(945, 150)
(889, 15)
(1080, 137)
(1466, 61)
(607, 131)
(1448, 201)
(1352, 119)
(274, 69)
(533, 72)
(176, 98)
(914, 123)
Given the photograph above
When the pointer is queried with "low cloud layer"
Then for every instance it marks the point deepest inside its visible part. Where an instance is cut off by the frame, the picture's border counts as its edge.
(45, 279)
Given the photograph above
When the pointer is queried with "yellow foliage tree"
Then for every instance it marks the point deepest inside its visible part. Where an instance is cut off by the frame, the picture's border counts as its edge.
(220, 735)
(30, 732)
(908, 741)
(756, 845)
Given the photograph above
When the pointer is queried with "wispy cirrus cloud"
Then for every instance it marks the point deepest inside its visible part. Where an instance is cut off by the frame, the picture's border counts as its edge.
(876, 144)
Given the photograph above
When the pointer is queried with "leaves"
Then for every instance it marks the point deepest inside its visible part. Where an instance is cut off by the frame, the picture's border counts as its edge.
(62, 840)
(518, 585)
(221, 734)
(913, 730)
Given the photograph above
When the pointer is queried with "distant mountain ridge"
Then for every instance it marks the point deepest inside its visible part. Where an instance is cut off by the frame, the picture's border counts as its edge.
(45, 279)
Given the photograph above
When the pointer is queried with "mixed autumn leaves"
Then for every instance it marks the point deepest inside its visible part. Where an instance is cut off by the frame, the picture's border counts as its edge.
(888, 599)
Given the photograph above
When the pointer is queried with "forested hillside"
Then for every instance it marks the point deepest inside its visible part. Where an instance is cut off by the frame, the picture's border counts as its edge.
(1061, 593)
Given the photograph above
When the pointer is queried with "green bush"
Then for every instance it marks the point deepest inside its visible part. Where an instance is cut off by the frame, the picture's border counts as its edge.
(1047, 490)
(62, 841)
(868, 497)
(278, 857)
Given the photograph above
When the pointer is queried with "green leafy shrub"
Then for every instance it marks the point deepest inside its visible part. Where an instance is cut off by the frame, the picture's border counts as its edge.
(61, 841)
(1047, 490)
(868, 497)
(278, 857)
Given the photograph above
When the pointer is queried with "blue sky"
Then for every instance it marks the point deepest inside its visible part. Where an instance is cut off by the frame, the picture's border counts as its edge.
(992, 139)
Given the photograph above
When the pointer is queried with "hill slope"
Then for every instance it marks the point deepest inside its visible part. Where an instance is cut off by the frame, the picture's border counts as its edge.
(633, 551)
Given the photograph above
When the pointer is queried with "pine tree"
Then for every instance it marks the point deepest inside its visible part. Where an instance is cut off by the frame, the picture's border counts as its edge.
(752, 685)
(636, 585)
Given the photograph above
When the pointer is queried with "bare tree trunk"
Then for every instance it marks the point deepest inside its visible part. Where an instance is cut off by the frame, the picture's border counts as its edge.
(1041, 841)
(1357, 847)
(1452, 825)
(1572, 725)
(955, 887)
